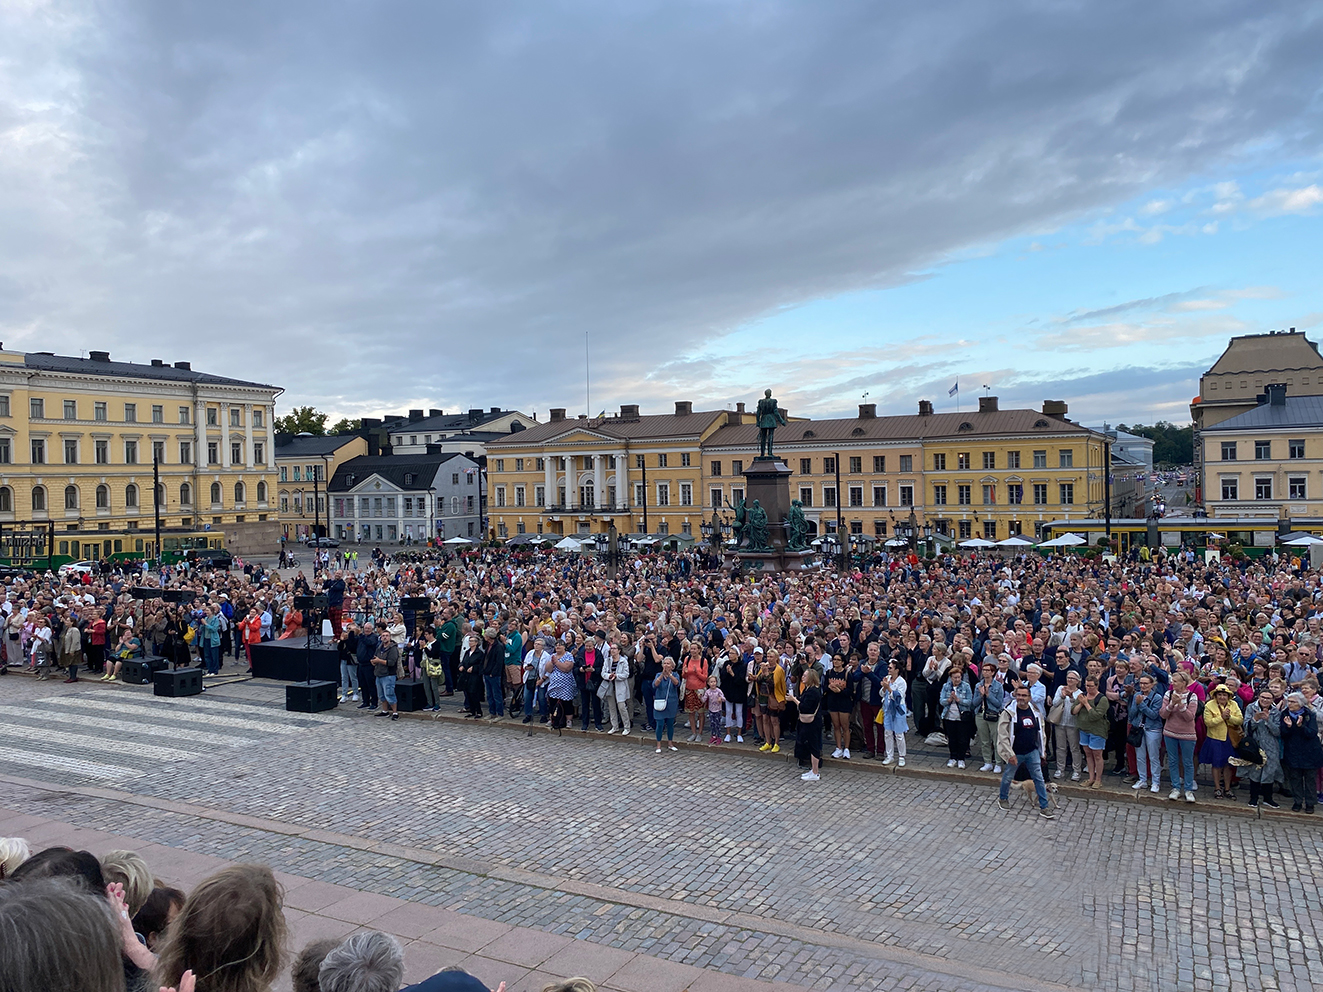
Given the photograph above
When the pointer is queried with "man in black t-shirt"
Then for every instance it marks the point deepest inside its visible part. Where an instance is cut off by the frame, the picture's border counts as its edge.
(1020, 744)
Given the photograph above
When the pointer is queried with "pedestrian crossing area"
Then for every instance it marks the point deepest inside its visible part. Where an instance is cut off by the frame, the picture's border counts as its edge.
(114, 739)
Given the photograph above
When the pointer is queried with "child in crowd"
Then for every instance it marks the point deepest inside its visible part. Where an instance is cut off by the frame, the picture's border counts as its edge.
(716, 702)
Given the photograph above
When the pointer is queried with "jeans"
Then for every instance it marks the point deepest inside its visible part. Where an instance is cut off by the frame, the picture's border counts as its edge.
(348, 677)
(495, 694)
(211, 658)
(590, 702)
(667, 724)
(368, 682)
(1148, 761)
(386, 689)
(530, 694)
(649, 693)
(1180, 759)
(1034, 765)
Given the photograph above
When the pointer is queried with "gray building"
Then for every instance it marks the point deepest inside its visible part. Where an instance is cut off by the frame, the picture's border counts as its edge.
(391, 499)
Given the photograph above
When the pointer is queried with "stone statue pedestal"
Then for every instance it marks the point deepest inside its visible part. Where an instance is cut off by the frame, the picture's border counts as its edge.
(767, 480)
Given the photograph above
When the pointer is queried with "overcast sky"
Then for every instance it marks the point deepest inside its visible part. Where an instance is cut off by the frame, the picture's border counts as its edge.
(390, 204)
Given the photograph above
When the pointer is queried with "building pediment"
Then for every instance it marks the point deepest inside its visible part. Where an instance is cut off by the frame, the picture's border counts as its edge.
(580, 435)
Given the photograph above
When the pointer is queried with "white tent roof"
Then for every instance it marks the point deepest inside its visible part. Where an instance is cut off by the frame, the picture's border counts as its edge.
(1064, 541)
(457, 540)
(1303, 542)
(977, 542)
(567, 544)
(896, 542)
(1015, 541)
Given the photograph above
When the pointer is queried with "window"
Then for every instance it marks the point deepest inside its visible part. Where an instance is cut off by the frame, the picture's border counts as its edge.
(500, 464)
(879, 495)
(101, 452)
(716, 468)
(213, 452)
(37, 408)
(686, 494)
(962, 495)
(213, 417)
(1263, 488)
(539, 495)
(521, 496)
(684, 459)
(806, 467)
(4, 451)
(454, 479)
(1296, 448)
(1067, 493)
(186, 494)
(989, 495)
(183, 414)
(663, 494)
(257, 416)
(70, 451)
(413, 438)
(907, 463)
(1012, 459)
(519, 463)
(1066, 458)
(261, 492)
(737, 467)
(640, 494)
(158, 452)
(856, 465)
(298, 473)
(1040, 459)
(103, 497)
(1015, 494)
(236, 452)
(939, 461)
(71, 497)
(4, 405)
(716, 496)
(829, 466)
(989, 459)
(661, 460)
(939, 495)
(856, 495)
(158, 414)
(966, 530)
(828, 495)
(990, 530)
(1228, 451)
(906, 494)
(39, 498)
(736, 495)
(500, 495)
(1231, 489)
(962, 461)
(638, 462)
(239, 492)
(235, 417)
(1295, 488)
(879, 463)
(130, 413)
(38, 451)
(70, 409)
(259, 453)
(806, 495)
(1262, 450)
(1040, 494)
(130, 452)
(215, 494)
(6, 500)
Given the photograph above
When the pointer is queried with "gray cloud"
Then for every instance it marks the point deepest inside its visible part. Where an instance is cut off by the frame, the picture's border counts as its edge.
(374, 201)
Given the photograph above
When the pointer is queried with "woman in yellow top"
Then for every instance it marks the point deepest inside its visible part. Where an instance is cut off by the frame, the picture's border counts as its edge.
(1222, 722)
(769, 681)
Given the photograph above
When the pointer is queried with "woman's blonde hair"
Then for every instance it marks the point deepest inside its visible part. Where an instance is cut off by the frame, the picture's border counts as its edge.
(129, 869)
(571, 985)
(812, 677)
(13, 852)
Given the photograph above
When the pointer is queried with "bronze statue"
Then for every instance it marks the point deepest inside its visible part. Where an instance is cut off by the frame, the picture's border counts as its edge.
(757, 528)
(769, 418)
(796, 527)
(740, 529)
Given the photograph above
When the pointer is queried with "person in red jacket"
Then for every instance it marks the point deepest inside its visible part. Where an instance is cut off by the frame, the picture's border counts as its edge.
(250, 629)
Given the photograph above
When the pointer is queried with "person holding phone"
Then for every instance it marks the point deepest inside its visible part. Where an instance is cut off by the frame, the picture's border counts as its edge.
(1178, 710)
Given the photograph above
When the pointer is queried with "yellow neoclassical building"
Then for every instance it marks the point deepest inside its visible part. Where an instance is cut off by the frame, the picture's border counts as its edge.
(78, 438)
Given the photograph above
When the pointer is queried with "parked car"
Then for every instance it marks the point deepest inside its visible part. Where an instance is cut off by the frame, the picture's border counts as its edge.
(209, 558)
(322, 542)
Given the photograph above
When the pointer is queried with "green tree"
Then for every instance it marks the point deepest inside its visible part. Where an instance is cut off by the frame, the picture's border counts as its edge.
(301, 420)
(1172, 445)
(346, 426)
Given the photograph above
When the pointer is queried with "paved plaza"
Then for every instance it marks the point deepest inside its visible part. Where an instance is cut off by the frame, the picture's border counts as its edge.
(547, 856)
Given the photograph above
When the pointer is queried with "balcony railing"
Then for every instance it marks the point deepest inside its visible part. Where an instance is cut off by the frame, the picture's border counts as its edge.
(586, 508)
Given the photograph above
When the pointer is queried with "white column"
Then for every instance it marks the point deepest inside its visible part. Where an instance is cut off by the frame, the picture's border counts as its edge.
(599, 478)
(623, 494)
(549, 481)
(570, 496)
(248, 439)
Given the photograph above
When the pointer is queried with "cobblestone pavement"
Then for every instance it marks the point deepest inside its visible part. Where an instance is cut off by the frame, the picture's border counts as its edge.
(728, 862)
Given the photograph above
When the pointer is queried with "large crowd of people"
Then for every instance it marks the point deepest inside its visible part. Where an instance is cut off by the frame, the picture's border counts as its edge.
(1128, 668)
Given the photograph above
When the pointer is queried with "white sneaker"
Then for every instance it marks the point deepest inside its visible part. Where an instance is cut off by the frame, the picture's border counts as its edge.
(1139, 785)
(960, 764)
(659, 749)
(836, 753)
(1155, 787)
(1174, 794)
(1189, 797)
(887, 760)
(1057, 773)
(673, 747)
(900, 763)
(996, 769)
(809, 777)
(846, 754)
(951, 763)
(612, 731)
(728, 738)
(986, 767)
(739, 739)
(1074, 776)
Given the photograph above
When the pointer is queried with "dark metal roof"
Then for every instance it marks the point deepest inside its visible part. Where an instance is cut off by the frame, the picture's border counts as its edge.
(297, 446)
(131, 370)
(444, 422)
(392, 468)
(638, 428)
(1298, 411)
(910, 427)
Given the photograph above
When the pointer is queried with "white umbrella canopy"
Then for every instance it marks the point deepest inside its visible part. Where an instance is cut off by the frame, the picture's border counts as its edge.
(567, 544)
(1064, 541)
(977, 542)
(1303, 542)
(457, 540)
(895, 542)
(1015, 541)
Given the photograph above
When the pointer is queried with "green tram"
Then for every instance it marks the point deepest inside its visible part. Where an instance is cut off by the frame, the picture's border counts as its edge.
(1256, 535)
(39, 544)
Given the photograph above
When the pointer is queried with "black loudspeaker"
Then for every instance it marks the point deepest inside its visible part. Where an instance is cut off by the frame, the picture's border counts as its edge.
(410, 696)
(319, 603)
(311, 697)
(145, 592)
(415, 603)
(303, 602)
(177, 682)
(172, 595)
(139, 671)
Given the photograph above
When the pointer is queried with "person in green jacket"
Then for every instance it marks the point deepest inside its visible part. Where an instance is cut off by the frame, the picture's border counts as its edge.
(1091, 718)
(514, 667)
(447, 636)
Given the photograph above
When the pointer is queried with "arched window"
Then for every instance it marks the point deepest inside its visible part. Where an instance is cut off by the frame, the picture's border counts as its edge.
(215, 494)
(186, 494)
(261, 492)
(6, 500)
(131, 496)
(39, 498)
(71, 497)
(103, 497)
(161, 500)
(238, 492)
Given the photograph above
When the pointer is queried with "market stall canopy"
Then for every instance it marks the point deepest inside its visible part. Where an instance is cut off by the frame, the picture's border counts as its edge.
(1064, 541)
(977, 542)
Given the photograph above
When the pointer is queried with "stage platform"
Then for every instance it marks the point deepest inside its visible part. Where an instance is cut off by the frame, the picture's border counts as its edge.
(287, 661)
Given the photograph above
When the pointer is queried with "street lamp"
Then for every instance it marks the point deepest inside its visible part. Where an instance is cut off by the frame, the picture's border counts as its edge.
(928, 538)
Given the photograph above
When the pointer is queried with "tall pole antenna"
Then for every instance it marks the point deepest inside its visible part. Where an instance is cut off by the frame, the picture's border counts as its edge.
(587, 379)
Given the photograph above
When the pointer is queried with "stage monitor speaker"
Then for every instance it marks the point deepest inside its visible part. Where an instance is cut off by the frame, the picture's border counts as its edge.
(173, 595)
(177, 682)
(410, 696)
(139, 671)
(415, 603)
(145, 592)
(311, 697)
(303, 602)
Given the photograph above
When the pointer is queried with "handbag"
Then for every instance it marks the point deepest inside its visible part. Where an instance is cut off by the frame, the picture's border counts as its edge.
(1135, 735)
(659, 703)
(1058, 711)
(1248, 751)
(603, 689)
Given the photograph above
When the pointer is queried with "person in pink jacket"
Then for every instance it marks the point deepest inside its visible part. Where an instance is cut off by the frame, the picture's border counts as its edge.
(1179, 707)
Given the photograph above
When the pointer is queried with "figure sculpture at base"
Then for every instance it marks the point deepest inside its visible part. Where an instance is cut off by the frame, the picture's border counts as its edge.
(796, 527)
(757, 528)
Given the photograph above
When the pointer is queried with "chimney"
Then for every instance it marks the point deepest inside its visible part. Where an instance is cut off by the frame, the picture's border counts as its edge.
(435, 413)
(583, 416)
(733, 418)
(987, 404)
(496, 410)
(1276, 393)
(739, 407)
(99, 356)
(557, 414)
(475, 414)
(683, 408)
(1055, 408)
(867, 411)
(629, 411)
(415, 415)
(186, 366)
(925, 408)
(157, 363)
